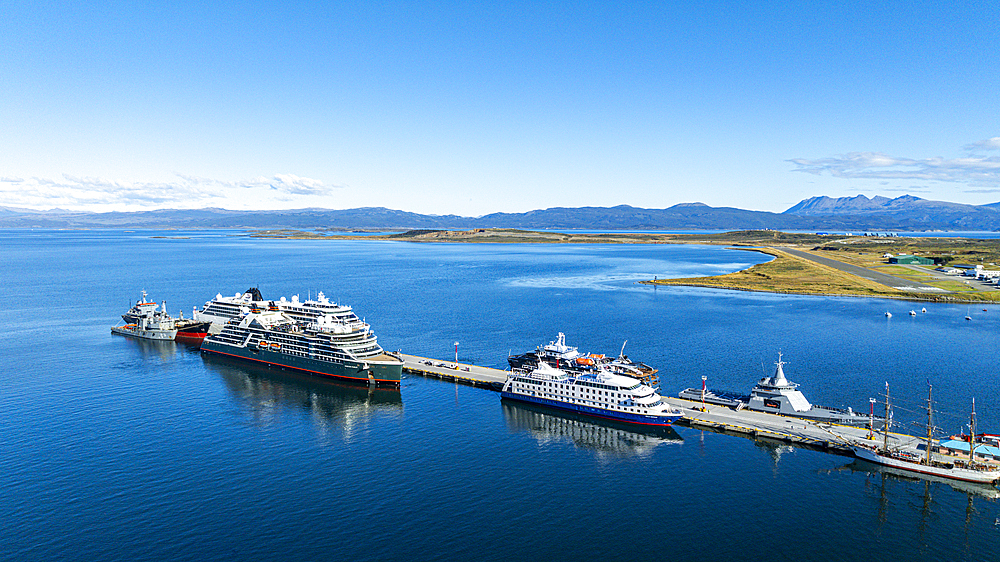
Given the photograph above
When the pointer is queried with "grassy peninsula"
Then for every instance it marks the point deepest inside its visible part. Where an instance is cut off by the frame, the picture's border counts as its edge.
(789, 274)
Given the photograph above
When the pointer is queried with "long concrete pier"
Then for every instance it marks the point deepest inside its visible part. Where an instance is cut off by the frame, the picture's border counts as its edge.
(474, 375)
(829, 437)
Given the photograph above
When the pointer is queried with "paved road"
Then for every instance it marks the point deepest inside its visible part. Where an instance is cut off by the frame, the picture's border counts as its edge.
(881, 278)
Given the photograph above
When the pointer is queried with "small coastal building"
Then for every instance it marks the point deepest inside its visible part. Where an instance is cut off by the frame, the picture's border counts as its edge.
(912, 260)
(979, 272)
(961, 447)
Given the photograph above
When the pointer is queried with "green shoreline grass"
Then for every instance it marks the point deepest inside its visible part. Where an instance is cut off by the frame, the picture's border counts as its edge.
(789, 274)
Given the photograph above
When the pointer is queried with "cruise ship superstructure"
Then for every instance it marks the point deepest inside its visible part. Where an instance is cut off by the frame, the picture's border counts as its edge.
(568, 358)
(222, 309)
(600, 393)
(325, 343)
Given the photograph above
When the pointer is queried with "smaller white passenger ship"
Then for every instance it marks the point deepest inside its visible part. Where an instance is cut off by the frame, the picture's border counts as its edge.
(144, 321)
(600, 394)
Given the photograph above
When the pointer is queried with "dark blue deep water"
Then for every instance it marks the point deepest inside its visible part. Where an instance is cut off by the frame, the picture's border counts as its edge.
(116, 449)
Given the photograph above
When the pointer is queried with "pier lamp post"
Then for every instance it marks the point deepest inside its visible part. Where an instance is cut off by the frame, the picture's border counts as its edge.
(456, 352)
(871, 418)
(703, 379)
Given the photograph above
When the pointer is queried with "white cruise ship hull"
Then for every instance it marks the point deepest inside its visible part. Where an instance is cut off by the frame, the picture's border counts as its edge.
(595, 411)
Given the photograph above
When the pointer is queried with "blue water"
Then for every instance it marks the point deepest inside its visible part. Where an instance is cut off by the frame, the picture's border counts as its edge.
(116, 449)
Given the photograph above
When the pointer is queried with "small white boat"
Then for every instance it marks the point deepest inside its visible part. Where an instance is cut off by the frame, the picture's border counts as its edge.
(888, 314)
(913, 313)
(923, 310)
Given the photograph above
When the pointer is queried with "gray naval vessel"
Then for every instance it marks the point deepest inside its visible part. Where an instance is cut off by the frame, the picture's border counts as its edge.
(778, 395)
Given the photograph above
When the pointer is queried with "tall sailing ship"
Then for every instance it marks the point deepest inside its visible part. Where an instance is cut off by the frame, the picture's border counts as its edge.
(944, 463)
(325, 343)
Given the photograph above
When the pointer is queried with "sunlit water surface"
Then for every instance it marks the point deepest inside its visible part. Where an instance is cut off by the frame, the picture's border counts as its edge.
(117, 449)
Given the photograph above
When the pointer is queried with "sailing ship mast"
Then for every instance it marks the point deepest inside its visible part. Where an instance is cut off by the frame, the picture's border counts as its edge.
(927, 461)
(972, 437)
(885, 444)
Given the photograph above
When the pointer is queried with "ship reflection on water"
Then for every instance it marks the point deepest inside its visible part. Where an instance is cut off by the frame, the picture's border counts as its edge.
(265, 392)
(150, 349)
(605, 437)
(887, 472)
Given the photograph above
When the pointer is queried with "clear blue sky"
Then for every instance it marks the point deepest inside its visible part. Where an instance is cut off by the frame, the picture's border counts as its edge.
(439, 107)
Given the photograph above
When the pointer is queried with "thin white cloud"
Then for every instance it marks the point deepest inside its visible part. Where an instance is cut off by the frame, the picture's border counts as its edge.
(89, 193)
(982, 171)
(988, 144)
(911, 189)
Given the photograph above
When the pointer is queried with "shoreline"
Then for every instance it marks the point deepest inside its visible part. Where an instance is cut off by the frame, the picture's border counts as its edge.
(785, 274)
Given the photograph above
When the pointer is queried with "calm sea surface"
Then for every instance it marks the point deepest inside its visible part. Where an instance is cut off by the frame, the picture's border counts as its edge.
(117, 449)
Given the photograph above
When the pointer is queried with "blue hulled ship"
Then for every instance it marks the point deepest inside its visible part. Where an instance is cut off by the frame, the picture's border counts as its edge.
(599, 393)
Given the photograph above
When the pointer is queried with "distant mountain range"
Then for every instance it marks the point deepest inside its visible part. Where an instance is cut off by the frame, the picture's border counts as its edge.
(859, 213)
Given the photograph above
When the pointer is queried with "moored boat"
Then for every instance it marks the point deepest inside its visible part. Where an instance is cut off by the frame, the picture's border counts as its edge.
(144, 320)
(601, 394)
(777, 395)
(941, 463)
(568, 358)
(326, 346)
(191, 331)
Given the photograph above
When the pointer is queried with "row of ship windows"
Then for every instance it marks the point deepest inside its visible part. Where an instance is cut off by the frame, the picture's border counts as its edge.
(581, 383)
(228, 309)
(613, 406)
(238, 338)
(573, 395)
(281, 337)
(328, 356)
(561, 388)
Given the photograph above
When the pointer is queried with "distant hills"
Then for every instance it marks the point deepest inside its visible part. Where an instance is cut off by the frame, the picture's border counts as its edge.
(857, 213)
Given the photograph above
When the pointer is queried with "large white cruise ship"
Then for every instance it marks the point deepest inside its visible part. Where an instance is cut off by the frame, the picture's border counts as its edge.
(600, 394)
(325, 345)
(221, 309)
